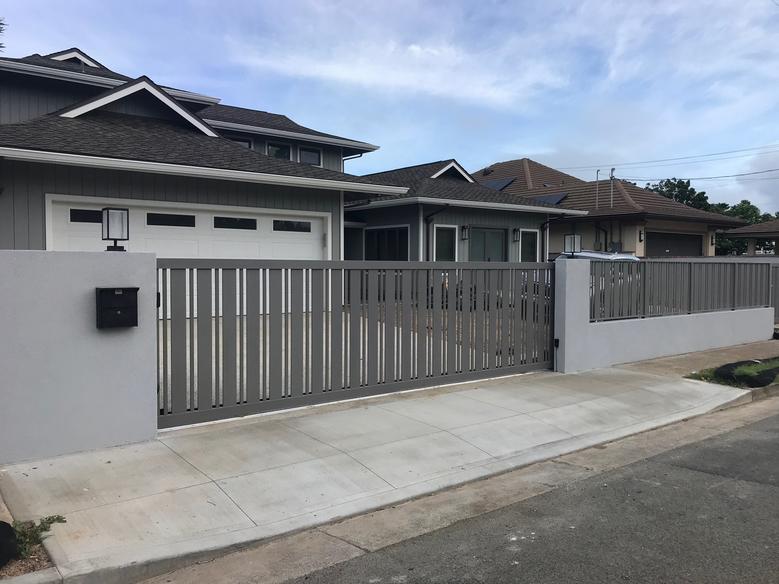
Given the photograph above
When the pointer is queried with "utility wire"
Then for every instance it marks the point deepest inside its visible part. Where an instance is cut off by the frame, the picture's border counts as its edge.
(596, 166)
(706, 177)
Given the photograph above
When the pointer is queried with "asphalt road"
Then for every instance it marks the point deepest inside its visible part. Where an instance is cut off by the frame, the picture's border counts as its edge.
(706, 513)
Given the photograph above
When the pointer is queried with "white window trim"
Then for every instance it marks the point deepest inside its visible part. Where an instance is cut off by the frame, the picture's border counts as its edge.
(52, 198)
(408, 237)
(321, 155)
(269, 143)
(457, 167)
(436, 227)
(237, 139)
(538, 242)
(134, 87)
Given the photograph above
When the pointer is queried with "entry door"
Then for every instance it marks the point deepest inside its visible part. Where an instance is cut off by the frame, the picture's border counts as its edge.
(487, 245)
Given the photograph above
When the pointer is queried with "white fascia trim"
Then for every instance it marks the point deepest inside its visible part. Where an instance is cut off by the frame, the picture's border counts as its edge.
(460, 203)
(287, 134)
(135, 88)
(457, 167)
(194, 171)
(97, 80)
(77, 55)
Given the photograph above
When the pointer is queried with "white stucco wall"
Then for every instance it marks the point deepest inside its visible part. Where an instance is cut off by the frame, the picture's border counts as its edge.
(588, 345)
(67, 386)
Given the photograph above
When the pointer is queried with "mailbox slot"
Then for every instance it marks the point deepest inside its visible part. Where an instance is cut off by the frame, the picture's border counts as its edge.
(116, 307)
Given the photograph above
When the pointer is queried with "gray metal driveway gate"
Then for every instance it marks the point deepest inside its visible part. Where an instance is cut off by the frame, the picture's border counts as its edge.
(238, 337)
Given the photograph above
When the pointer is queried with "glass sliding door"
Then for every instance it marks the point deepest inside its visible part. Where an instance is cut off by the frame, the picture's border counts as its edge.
(386, 243)
(445, 243)
(487, 245)
(528, 245)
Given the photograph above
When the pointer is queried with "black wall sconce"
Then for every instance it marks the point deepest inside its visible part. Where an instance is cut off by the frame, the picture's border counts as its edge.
(713, 239)
(515, 234)
(116, 227)
(465, 232)
(640, 235)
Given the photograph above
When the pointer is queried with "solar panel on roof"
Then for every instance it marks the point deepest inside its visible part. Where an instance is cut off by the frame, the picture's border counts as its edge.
(551, 199)
(498, 184)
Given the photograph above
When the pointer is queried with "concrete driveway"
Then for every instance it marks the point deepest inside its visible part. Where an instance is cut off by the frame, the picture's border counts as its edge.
(193, 491)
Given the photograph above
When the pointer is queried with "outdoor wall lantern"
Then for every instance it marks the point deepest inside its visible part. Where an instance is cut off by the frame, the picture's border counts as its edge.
(713, 239)
(116, 227)
(515, 235)
(640, 235)
(572, 243)
(465, 232)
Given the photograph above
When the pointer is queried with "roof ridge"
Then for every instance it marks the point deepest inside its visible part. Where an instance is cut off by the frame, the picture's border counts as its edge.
(528, 176)
(627, 196)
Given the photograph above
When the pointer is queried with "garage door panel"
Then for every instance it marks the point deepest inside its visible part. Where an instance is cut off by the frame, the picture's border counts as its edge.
(660, 244)
(204, 240)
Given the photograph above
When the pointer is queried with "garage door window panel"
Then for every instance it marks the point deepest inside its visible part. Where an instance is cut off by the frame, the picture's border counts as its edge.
(86, 216)
(170, 220)
(246, 223)
(294, 226)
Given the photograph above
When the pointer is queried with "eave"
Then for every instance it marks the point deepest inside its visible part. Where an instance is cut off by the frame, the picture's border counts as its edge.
(462, 203)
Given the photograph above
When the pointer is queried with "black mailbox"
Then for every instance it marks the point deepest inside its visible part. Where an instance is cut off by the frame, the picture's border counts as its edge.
(117, 307)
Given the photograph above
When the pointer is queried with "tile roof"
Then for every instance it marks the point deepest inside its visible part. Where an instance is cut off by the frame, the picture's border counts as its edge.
(122, 136)
(417, 179)
(767, 228)
(628, 199)
(527, 174)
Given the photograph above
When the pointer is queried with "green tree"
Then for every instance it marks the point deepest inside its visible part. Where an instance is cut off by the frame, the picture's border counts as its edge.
(679, 190)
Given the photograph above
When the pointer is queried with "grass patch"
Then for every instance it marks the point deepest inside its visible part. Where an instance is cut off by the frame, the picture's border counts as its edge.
(30, 534)
(754, 373)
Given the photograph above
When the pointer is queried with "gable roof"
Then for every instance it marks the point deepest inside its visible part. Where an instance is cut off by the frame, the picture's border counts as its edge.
(142, 84)
(525, 174)
(74, 53)
(443, 189)
(230, 117)
(123, 142)
(628, 199)
(766, 228)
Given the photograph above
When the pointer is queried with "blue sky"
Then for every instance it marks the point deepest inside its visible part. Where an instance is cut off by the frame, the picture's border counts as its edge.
(571, 84)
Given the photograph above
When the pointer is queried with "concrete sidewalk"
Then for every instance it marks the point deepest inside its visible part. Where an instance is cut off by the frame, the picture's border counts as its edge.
(140, 510)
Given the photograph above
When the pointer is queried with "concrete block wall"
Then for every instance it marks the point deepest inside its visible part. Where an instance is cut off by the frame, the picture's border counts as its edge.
(589, 345)
(67, 386)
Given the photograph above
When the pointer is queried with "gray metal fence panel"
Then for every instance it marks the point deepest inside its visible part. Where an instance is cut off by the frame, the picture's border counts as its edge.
(625, 290)
(238, 337)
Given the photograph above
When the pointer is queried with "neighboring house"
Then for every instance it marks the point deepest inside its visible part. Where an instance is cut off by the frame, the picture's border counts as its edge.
(621, 217)
(201, 179)
(767, 231)
(447, 216)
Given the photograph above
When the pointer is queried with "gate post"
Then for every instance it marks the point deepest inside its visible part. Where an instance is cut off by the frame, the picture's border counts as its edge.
(571, 313)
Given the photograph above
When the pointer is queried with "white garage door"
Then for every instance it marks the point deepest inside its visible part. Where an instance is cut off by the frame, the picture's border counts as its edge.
(235, 233)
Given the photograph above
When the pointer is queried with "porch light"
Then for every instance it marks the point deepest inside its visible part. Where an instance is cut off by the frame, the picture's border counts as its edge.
(713, 239)
(572, 243)
(116, 227)
(465, 232)
(640, 235)
(515, 235)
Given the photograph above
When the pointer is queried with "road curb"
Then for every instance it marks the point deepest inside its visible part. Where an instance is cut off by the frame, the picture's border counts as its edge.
(47, 576)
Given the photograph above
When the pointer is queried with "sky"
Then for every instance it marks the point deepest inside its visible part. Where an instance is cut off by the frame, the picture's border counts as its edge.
(576, 85)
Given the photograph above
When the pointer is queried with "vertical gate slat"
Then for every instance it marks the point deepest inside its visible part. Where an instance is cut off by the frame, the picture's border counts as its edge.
(390, 350)
(205, 348)
(355, 326)
(505, 316)
(437, 340)
(465, 355)
(337, 353)
(317, 330)
(479, 294)
(275, 335)
(406, 318)
(164, 335)
(451, 321)
(178, 340)
(252, 320)
(297, 361)
(492, 320)
(373, 359)
(420, 303)
(231, 389)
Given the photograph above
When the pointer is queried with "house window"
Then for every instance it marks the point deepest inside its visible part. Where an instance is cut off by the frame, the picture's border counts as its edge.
(280, 151)
(311, 156)
(528, 245)
(386, 244)
(235, 223)
(445, 243)
(487, 245)
(297, 226)
(170, 219)
(86, 216)
(245, 142)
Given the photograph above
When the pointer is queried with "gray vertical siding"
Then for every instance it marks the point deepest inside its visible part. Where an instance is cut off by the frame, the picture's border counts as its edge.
(23, 187)
(24, 98)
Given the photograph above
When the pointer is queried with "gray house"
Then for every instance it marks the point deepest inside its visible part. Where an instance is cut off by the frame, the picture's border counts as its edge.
(201, 179)
(446, 216)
